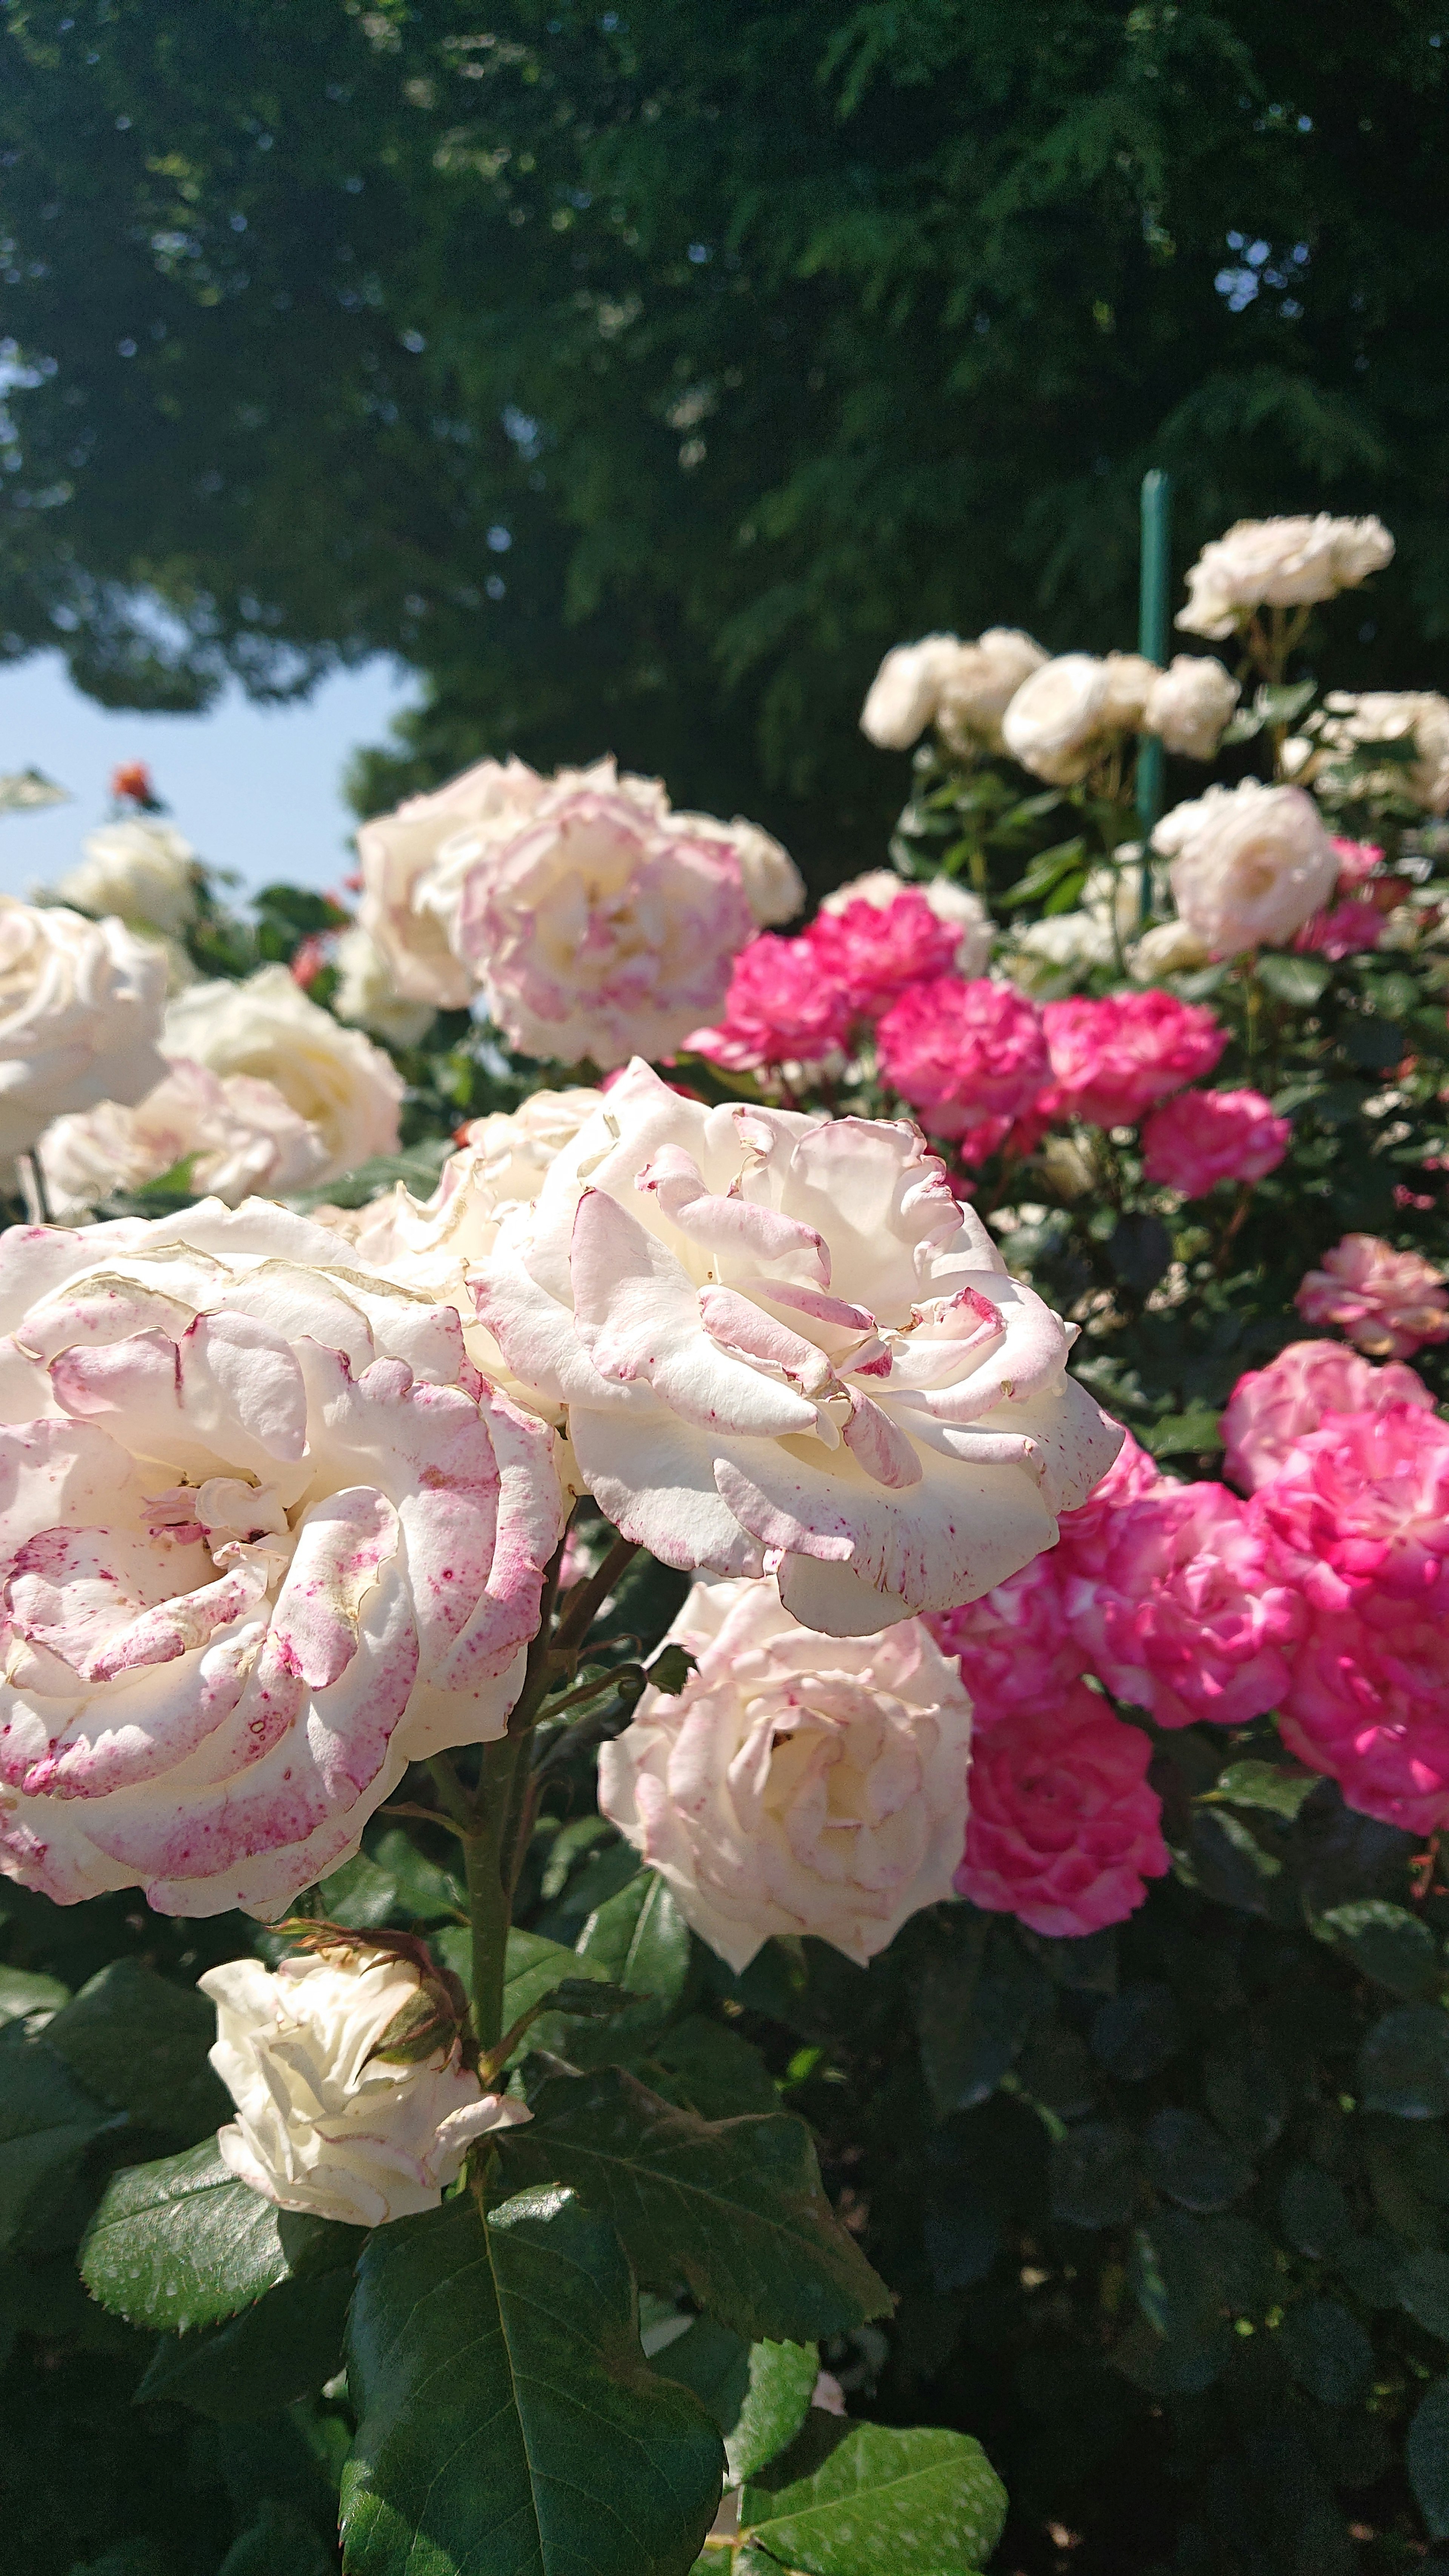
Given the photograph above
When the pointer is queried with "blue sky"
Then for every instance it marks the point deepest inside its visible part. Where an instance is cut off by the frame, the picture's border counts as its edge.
(255, 789)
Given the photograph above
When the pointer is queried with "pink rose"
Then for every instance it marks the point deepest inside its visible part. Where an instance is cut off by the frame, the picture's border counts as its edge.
(1111, 1059)
(1015, 1645)
(780, 1009)
(963, 1053)
(598, 922)
(1357, 860)
(1368, 1704)
(1202, 1137)
(1271, 1408)
(1086, 1532)
(1341, 930)
(1365, 1500)
(1388, 1303)
(872, 952)
(1192, 1611)
(1063, 1828)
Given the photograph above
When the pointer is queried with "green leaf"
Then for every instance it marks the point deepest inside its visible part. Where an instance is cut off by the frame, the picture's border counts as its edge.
(1315, 2212)
(706, 2067)
(1299, 980)
(1046, 870)
(865, 2500)
(1391, 1945)
(279, 2543)
(776, 2403)
(1279, 701)
(22, 1993)
(425, 1893)
(1264, 1785)
(1327, 2351)
(712, 2360)
(47, 2121)
(1190, 1434)
(182, 2243)
(1423, 2289)
(639, 1940)
(1426, 2456)
(732, 2207)
(361, 1894)
(283, 2348)
(508, 2423)
(1189, 2160)
(1404, 2064)
(141, 2042)
(1094, 2175)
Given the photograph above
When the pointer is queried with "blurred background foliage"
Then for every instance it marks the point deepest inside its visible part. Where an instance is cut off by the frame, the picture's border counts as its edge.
(639, 376)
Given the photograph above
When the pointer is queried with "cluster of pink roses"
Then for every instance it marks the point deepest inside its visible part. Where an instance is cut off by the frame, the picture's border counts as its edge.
(1318, 1591)
(799, 1001)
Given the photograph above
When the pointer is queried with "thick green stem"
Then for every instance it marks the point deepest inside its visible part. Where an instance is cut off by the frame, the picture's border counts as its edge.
(488, 1858)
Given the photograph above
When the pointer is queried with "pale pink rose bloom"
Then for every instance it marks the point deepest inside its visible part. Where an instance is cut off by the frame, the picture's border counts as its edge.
(950, 902)
(872, 951)
(1365, 1500)
(1368, 1704)
(977, 688)
(1279, 563)
(906, 691)
(600, 925)
(780, 1009)
(783, 1343)
(1111, 1059)
(1063, 1829)
(269, 1537)
(238, 1135)
(1270, 1409)
(80, 1017)
(1193, 1611)
(399, 854)
(1250, 864)
(1200, 1138)
(1015, 1645)
(774, 887)
(1189, 703)
(799, 1783)
(963, 1053)
(349, 1091)
(1388, 1303)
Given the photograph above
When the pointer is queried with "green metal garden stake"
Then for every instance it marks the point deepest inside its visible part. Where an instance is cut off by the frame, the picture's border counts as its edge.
(1152, 640)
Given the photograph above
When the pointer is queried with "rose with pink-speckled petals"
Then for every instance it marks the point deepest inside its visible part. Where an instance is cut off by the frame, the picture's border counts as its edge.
(798, 1782)
(266, 1536)
(1063, 1829)
(1270, 1409)
(1388, 1303)
(780, 1009)
(963, 1053)
(1015, 1645)
(399, 857)
(1199, 1138)
(597, 924)
(1194, 1611)
(873, 951)
(1364, 1500)
(783, 1344)
(1113, 1059)
(1368, 1704)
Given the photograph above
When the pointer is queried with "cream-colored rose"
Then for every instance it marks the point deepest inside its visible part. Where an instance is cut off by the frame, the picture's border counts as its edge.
(798, 1783)
(979, 685)
(398, 855)
(1279, 563)
(1057, 718)
(432, 1243)
(906, 691)
(1131, 679)
(80, 1016)
(324, 2126)
(1392, 715)
(239, 1139)
(954, 904)
(141, 870)
(334, 1078)
(774, 887)
(1249, 864)
(367, 997)
(1169, 948)
(1046, 957)
(1189, 704)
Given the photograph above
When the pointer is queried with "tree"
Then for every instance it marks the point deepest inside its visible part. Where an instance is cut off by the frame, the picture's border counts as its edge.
(641, 376)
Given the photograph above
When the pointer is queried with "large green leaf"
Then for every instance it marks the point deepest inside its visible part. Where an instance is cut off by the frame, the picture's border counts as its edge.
(640, 1940)
(22, 1992)
(182, 2243)
(1426, 2455)
(283, 2348)
(733, 2207)
(776, 2403)
(47, 2120)
(865, 2500)
(141, 2042)
(509, 2424)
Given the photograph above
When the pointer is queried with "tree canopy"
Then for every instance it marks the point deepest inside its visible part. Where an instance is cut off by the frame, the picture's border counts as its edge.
(641, 375)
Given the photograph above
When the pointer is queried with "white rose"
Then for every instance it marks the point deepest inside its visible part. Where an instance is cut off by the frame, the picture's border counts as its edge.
(1189, 704)
(240, 1138)
(142, 870)
(954, 904)
(268, 1538)
(1279, 563)
(398, 855)
(1131, 679)
(433, 1243)
(334, 1078)
(774, 887)
(1249, 864)
(979, 685)
(367, 997)
(323, 2125)
(1055, 721)
(906, 691)
(1169, 948)
(1059, 948)
(1391, 715)
(782, 1343)
(80, 1015)
(799, 1782)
